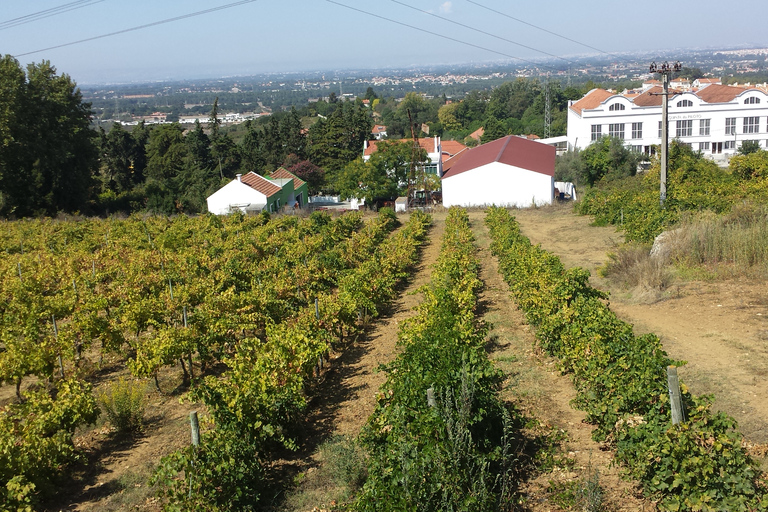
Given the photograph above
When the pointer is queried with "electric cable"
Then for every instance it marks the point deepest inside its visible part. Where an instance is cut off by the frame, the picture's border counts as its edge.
(147, 25)
(482, 31)
(547, 31)
(46, 13)
(421, 29)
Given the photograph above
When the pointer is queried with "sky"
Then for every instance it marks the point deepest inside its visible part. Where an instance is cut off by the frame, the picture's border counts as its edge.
(264, 36)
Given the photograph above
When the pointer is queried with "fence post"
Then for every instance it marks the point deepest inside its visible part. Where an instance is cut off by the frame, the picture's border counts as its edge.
(195, 425)
(675, 397)
(431, 397)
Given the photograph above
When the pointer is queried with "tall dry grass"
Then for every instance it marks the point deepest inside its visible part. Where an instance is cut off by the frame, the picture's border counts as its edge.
(632, 267)
(729, 245)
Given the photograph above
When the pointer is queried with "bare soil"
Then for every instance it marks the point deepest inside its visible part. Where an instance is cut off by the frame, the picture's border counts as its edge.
(719, 327)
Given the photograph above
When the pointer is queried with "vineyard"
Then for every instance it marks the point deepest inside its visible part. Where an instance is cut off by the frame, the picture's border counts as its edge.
(261, 300)
(250, 310)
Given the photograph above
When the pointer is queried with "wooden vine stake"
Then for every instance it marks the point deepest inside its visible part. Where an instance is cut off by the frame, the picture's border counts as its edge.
(675, 397)
(56, 337)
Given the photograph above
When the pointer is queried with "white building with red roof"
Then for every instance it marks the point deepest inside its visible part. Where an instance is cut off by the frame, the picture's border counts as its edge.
(711, 118)
(510, 172)
(254, 193)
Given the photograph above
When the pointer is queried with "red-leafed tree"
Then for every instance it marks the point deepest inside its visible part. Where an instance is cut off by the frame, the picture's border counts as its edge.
(309, 172)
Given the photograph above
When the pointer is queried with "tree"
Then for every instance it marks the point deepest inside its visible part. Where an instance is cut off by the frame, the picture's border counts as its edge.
(494, 129)
(447, 115)
(608, 158)
(49, 153)
(213, 121)
(749, 146)
(201, 175)
(310, 173)
(167, 154)
(384, 176)
(118, 152)
(570, 167)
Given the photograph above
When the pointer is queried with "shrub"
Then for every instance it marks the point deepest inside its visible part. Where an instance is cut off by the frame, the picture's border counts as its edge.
(632, 266)
(124, 404)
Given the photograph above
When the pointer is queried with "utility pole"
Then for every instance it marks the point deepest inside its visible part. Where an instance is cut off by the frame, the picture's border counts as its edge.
(547, 111)
(664, 69)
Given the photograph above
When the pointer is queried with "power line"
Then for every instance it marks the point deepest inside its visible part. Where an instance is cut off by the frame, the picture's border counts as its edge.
(481, 31)
(421, 29)
(545, 30)
(47, 13)
(132, 29)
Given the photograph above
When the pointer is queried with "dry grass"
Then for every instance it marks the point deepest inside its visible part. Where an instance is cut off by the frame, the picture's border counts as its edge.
(631, 267)
(732, 245)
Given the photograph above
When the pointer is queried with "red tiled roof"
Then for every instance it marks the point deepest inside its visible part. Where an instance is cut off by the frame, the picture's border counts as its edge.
(282, 174)
(260, 184)
(452, 147)
(450, 162)
(510, 150)
(708, 80)
(428, 144)
(592, 100)
(649, 98)
(378, 129)
(477, 134)
(716, 93)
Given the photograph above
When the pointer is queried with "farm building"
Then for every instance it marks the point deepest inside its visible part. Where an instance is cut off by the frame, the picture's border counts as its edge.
(511, 171)
(255, 193)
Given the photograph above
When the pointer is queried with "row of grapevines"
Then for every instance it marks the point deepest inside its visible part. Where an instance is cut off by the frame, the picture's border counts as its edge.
(621, 383)
(439, 438)
(259, 403)
(128, 284)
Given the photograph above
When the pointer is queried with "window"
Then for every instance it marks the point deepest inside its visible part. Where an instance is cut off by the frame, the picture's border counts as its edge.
(730, 125)
(659, 129)
(751, 124)
(616, 130)
(638, 149)
(704, 126)
(684, 128)
(616, 106)
(730, 144)
(685, 103)
(703, 146)
(597, 131)
(637, 130)
(752, 101)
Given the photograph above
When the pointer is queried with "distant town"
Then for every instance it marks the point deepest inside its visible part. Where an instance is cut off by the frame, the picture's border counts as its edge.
(248, 98)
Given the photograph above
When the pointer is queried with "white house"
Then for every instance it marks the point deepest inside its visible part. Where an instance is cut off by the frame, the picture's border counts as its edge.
(712, 118)
(511, 172)
(255, 193)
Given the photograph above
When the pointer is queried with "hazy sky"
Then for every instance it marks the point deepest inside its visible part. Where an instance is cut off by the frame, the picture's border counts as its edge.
(299, 35)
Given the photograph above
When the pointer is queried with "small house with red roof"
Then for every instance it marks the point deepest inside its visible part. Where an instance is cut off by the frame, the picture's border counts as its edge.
(254, 193)
(510, 172)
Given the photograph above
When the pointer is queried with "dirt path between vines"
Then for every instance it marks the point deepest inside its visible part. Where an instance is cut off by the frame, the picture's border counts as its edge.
(719, 327)
(349, 391)
(533, 383)
(347, 395)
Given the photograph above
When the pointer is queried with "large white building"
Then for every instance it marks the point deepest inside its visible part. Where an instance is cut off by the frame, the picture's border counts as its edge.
(712, 118)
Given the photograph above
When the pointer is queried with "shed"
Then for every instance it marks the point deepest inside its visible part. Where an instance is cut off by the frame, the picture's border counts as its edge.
(510, 172)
